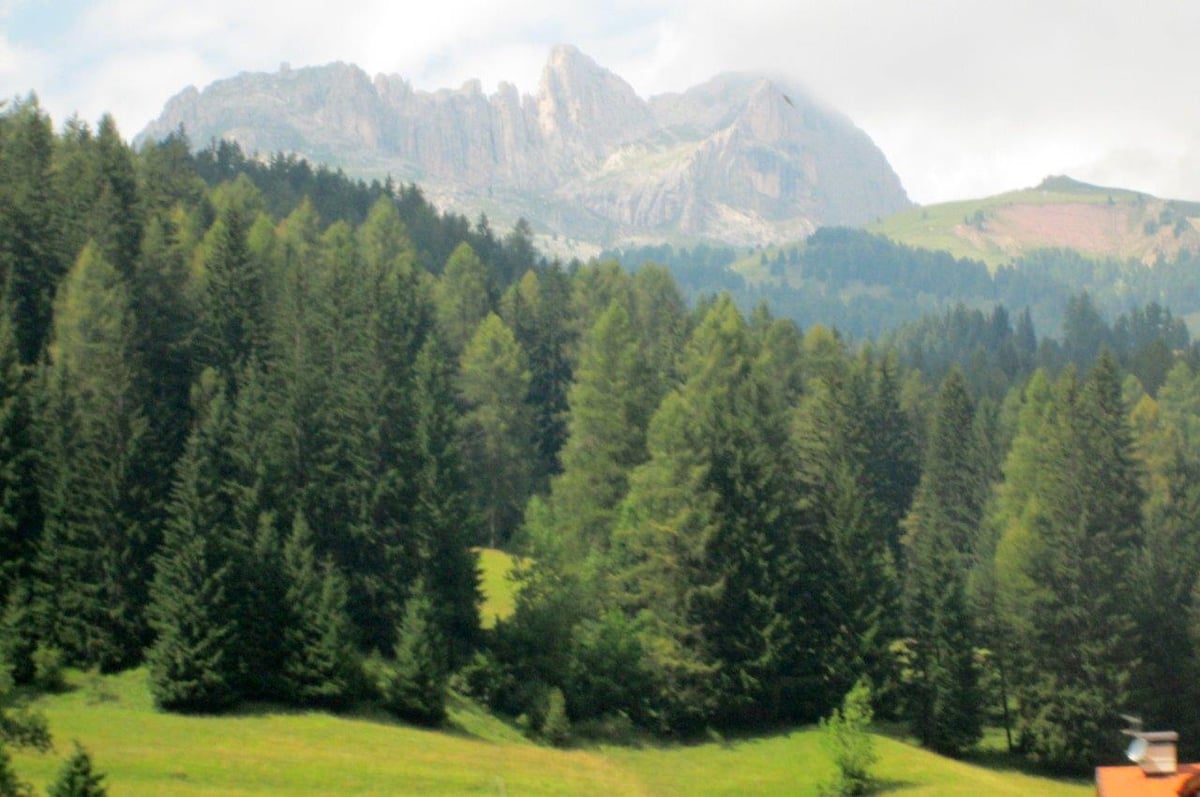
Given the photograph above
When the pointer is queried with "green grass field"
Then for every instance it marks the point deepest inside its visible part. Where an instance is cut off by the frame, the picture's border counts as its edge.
(262, 751)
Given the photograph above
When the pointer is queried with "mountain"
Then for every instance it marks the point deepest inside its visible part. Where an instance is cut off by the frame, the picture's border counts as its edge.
(1059, 213)
(742, 159)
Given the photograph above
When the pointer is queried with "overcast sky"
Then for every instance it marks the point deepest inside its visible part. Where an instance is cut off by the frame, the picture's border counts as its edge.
(965, 98)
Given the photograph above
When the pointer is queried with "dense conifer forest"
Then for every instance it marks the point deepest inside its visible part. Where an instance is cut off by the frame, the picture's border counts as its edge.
(256, 418)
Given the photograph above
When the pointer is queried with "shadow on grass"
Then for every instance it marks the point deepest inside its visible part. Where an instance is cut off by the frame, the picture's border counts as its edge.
(1003, 762)
(889, 786)
(991, 754)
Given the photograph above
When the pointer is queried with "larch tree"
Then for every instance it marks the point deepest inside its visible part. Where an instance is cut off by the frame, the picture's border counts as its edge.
(497, 428)
(91, 572)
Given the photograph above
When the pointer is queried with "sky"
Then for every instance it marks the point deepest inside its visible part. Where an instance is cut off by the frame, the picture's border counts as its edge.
(965, 98)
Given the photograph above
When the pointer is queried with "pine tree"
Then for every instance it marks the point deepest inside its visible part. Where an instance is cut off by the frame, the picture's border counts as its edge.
(536, 309)
(78, 778)
(854, 446)
(942, 530)
(232, 306)
(164, 326)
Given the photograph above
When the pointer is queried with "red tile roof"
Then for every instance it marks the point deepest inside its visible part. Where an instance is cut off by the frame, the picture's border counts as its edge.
(1133, 782)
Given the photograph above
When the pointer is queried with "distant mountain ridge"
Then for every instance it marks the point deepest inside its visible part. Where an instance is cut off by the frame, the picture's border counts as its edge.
(742, 159)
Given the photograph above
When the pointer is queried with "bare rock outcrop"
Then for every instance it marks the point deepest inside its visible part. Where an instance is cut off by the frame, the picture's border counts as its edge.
(743, 159)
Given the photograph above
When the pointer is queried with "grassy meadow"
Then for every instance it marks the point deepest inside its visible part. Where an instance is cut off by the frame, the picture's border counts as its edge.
(264, 750)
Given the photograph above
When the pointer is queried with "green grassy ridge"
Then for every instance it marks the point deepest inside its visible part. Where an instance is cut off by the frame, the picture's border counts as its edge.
(264, 750)
(936, 226)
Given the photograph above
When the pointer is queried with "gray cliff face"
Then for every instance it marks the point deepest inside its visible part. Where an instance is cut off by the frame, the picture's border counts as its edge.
(741, 159)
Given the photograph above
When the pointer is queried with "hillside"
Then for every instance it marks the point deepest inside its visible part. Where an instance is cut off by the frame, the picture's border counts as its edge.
(1060, 213)
(265, 752)
(742, 158)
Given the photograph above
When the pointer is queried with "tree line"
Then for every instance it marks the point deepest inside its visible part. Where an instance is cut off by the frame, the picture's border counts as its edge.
(253, 444)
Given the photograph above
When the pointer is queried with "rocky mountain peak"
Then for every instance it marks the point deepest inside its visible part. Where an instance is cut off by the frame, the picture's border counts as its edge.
(742, 159)
(581, 101)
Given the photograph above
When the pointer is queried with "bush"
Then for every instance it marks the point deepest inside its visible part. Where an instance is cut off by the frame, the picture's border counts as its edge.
(846, 739)
(556, 726)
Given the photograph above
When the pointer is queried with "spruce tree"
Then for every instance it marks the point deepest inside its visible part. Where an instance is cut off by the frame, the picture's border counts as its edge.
(78, 777)
(942, 530)
(19, 512)
(414, 685)
(32, 259)
(711, 545)
(318, 666)
(438, 518)
(232, 306)
(193, 611)
(1063, 566)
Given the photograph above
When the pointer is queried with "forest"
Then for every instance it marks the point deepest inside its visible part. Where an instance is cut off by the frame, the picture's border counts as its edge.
(256, 420)
(867, 285)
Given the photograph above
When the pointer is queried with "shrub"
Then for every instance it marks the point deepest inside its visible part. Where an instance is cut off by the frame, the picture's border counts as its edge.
(556, 726)
(846, 739)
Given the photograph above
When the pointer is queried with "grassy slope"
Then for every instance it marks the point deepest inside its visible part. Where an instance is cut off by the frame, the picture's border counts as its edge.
(264, 751)
(1001, 235)
(144, 752)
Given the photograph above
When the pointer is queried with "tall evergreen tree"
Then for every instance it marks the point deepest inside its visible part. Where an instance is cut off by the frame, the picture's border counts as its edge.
(462, 297)
(91, 571)
(232, 306)
(1063, 568)
(536, 309)
(497, 428)
(712, 546)
(611, 402)
(32, 261)
(942, 529)
(19, 512)
(194, 661)
(439, 516)
(318, 665)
